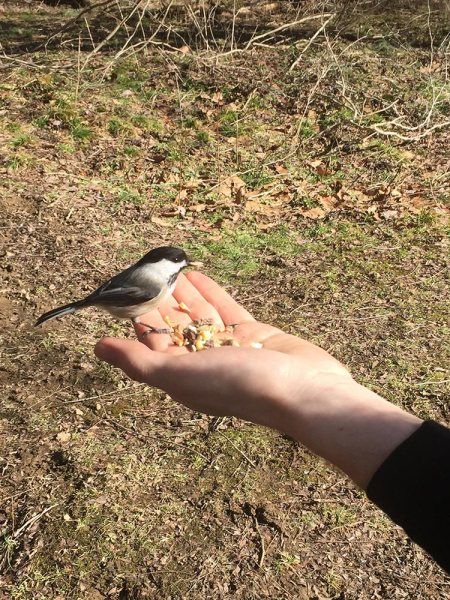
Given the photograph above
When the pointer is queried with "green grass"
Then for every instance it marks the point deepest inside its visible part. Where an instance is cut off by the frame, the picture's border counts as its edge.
(22, 139)
(117, 126)
(126, 194)
(255, 176)
(80, 130)
(228, 123)
(240, 252)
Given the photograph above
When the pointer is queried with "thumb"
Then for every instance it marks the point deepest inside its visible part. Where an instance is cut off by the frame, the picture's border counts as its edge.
(135, 359)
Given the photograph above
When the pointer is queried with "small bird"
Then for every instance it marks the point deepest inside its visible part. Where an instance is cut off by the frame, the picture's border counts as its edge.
(135, 291)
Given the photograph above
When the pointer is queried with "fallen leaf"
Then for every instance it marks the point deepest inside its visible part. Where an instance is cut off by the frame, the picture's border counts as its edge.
(64, 436)
(182, 195)
(266, 226)
(197, 207)
(389, 214)
(192, 184)
(232, 187)
(252, 206)
(162, 222)
(280, 169)
(327, 202)
(314, 213)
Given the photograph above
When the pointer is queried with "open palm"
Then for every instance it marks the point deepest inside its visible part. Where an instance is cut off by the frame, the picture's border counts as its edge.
(260, 385)
(208, 300)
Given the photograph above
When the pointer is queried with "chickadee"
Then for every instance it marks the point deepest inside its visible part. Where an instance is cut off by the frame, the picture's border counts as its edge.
(136, 290)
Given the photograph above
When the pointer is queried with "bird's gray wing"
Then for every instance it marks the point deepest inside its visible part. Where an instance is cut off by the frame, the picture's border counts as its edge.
(120, 291)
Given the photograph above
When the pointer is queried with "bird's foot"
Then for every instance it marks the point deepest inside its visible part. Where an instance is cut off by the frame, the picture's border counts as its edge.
(151, 329)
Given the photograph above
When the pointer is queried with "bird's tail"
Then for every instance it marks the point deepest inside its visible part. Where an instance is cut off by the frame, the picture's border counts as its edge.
(58, 312)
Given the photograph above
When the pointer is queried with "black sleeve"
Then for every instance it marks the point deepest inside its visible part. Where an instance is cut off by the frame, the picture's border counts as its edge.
(412, 487)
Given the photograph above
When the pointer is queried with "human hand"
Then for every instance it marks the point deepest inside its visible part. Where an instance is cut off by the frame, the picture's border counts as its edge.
(290, 384)
(266, 386)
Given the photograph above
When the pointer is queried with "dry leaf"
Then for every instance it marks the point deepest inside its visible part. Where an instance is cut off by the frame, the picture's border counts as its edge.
(281, 169)
(64, 436)
(162, 222)
(232, 187)
(182, 195)
(197, 207)
(266, 226)
(319, 167)
(192, 184)
(314, 213)
(389, 214)
(252, 206)
(327, 202)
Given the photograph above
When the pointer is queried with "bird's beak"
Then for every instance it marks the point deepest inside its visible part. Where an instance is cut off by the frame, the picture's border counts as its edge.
(195, 263)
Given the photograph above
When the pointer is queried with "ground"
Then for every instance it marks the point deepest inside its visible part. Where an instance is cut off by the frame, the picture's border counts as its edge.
(295, 189)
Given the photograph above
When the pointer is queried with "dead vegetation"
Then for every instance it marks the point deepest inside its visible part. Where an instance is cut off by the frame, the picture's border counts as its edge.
(307, 165)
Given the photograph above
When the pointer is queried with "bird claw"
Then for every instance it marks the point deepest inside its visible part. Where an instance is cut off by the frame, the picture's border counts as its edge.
(160, 330)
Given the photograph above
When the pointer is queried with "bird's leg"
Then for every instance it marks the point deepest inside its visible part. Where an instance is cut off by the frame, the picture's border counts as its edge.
(151, 329)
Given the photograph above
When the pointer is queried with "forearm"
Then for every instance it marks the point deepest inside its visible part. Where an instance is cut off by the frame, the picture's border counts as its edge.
(352, 427)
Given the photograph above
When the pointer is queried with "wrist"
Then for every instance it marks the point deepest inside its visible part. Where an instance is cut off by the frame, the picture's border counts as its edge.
(350, 426)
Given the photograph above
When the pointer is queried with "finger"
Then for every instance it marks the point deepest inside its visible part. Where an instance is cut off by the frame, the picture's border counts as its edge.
(169, 309)
(230, 311)
(199, 308)
(155, 341)
(135, 359)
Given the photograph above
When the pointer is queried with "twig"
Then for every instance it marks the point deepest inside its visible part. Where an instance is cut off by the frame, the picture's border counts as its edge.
(33, 520)
(143, 44)
(111, 34)
(21, 62)
(283, 27)
(408, 138)
(268, 34)
(432, 382)
(311, 40)
(262, 553)
(249, 460)
(67, 25)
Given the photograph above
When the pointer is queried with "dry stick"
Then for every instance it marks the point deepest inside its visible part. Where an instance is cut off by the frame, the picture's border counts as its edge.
(20, 62)
(381, 128)
(441, 381)
(77, 87)
(199, 28)
(270, 33)
(33, 520)
(311, 40)
(89, 32)
(131, 36)
(411, 138)
(249, 460)
(110, 35)
(262, 554)
(75, 19)
(143, 44)
(233, 26)
(286, 26)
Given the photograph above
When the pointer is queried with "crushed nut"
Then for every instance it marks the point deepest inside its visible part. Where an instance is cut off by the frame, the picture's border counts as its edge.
(182, 306)
(201, 335)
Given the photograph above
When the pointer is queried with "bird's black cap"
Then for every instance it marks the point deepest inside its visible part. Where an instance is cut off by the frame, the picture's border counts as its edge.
(176, 255)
